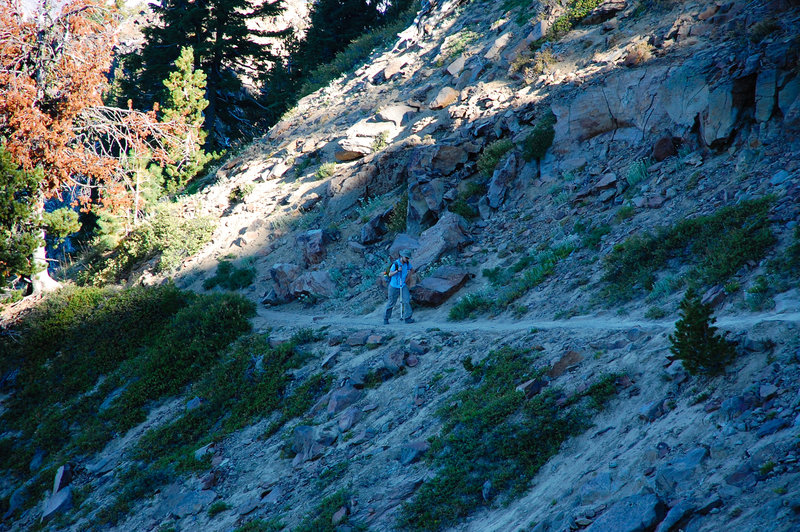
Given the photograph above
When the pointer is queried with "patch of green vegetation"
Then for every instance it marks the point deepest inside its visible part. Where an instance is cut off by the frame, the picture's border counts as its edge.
(624, 212)
(167, 235)
(249, 384)
(218, 507)
(325, 170)
(716, 245)
(787, 265)
(758, 295)
(763, 29)
(358, 51)
(380, 142)
(637, 172)
(462, 208)
(541, 138)
(397, 220)
(695, 340)
(694, 180)
(766, 468)
(655, 313)
(332, 474)
(321, 519)
(239, 193)
(230, 277)
(591, 236)
(492, 433)
(457, 43)
(534, 269)
(492, 155)
(576, 11)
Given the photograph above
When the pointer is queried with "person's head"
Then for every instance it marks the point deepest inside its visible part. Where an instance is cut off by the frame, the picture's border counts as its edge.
(405, 256)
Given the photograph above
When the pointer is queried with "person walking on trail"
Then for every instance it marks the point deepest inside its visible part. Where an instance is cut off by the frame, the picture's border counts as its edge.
(398, 275)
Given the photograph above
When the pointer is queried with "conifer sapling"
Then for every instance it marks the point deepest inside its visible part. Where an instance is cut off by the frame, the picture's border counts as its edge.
(695, 340)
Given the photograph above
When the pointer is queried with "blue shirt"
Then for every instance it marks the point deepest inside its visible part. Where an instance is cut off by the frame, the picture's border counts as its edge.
(399, 280)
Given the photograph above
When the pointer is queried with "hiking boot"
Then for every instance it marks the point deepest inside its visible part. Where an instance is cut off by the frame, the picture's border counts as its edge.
(409, 320)
(386, 321)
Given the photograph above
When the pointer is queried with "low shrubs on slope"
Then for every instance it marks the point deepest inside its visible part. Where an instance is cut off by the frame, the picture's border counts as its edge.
(494, 440)
(716, 246)
(89, 360)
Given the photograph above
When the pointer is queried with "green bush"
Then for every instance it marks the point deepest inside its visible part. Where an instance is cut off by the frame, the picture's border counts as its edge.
(239, 193)
(491, 432)
(325, 170)
(357, 52)
(167, 235)
(492, 155)
(576, 11)
(716, 245)
(218, 507)
(462, 208)
(260, 525)
(541, 138)
(637, 172)
(398, 218)
(230, 277)
(695, 340)
(61, 223)
(534, 268)
(320, 520)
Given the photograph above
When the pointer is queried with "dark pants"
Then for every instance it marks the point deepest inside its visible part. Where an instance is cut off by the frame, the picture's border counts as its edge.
(394, 293)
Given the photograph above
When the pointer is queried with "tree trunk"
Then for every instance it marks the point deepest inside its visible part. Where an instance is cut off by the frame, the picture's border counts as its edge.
(41, 281)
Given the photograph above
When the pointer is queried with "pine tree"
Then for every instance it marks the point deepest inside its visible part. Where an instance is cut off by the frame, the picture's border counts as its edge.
(224, 47)
(185, 103)
(20, 235)
(695, 340)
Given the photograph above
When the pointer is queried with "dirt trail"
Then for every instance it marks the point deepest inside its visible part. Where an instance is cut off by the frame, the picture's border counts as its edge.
(267, 318)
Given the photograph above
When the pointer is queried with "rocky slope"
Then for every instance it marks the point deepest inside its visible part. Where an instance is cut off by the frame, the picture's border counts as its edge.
(661, 112)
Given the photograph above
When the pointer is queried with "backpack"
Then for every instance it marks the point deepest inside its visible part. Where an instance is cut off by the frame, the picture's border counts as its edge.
(389, 269)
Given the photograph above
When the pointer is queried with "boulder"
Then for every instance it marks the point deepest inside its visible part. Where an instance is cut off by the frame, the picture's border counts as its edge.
(312, 244)
(342, 398)
(502, 177)
(599, 488)
(766, 94)
(531, 387)
(455, 68)
(719, 119)
(636, 513)
(445, 97)
(676, 475)
(395, 113)
(304, 444)
(15, 502)
(375, 228)
(447, 158)
(59, 502)
(493, 54)
(411, 452)
(394, 67)
(664, 147)
(425, 202)
(316, 284)
(440, 285)
(788, 95)
(63, 477)
(448, 234)
(393, 361)
(283, 274)
(567, 361)
(352, 148)
(606, 10)
(539, 31)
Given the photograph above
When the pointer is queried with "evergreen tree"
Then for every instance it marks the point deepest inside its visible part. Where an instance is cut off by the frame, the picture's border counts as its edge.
(695, 340)
(185, 102)
(20, 235)
(223, 47)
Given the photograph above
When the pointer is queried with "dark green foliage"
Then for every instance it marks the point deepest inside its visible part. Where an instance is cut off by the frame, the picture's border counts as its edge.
(462, 208)
(60, 223)
(218, 507)
(250, 383)
(541, 138)
(239, 193)
(351, 52)
(492, 155)
(145, 342)
(398, 218)
(320, 519)
(19, 232)
(591, 236)
(787, 265)
(624, 212)
(332, 474)
(534, 268)
(230, 277)
(576, 11)
(167, 236)
(695, 340)
(495, 434)
(716, 245)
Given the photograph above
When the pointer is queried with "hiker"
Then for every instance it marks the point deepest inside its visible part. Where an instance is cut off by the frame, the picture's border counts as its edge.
(398, 275)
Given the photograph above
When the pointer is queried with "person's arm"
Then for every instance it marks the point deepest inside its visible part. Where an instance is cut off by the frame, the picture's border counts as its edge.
(393, 270)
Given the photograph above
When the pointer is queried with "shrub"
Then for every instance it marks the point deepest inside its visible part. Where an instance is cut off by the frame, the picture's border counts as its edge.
(492, 420)
(321, 519)
(397, 220)
(541, 138)
(260, 525)
(695, 340)
(576, 11)
(655, 313)
(492, 154)
(230, 277)
(168, 234)
(218, 507)
(624, 212)
(462, 208)
(716, 245)
(637, 172)
(239, 193)
(326, 170)
(758, 295)
(762, 29)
